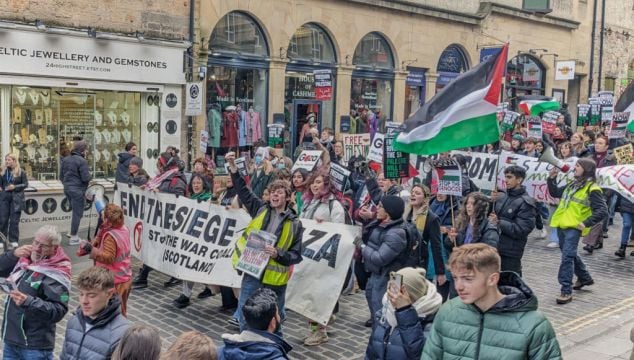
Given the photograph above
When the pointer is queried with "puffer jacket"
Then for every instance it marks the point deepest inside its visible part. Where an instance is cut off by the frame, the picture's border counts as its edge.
(101, 339)
(122, 173)
(516, 219)
(253, 344)
(512, 329)
(489, 234)
(174, 184)
(385, 246)
(74, 172)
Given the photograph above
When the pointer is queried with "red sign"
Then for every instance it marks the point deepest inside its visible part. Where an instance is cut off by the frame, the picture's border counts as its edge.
(323, 93)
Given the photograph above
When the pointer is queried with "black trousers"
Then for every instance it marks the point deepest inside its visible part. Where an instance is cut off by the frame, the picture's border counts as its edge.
(9, 219)
(512, 264)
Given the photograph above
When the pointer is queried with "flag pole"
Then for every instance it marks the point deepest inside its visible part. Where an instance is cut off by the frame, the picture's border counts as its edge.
(453, 218)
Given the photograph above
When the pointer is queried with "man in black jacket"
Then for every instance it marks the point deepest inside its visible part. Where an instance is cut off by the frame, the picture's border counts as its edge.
(39, 278)
(274, 217)
(75, 176)
(514, 213)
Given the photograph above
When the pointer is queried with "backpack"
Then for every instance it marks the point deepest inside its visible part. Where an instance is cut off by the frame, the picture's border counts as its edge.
(348, 218)
(413, 253)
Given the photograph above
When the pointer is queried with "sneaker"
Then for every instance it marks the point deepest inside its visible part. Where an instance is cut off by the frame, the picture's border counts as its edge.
(205, 293)
(543, 233)
(605, 235)
(234, 322)
(14, 245)
(589, 248)
(368, 323)
(316, 338)
(74, 240)
(172, 282)
(579, 284)
(139, 283)
(564, 299)
(181, 302)
(552, 244)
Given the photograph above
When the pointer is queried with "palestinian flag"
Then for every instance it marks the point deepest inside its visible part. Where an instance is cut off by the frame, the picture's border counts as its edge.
(462, 114)
(535, 105)
(626, 104)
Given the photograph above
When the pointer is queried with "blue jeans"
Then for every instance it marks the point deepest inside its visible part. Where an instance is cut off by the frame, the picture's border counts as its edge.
(12, 352)
(374, 291)
(571, 263)
(627, 227)
(248, 287)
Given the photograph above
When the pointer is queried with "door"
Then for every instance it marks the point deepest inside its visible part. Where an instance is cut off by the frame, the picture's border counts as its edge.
(302, 113)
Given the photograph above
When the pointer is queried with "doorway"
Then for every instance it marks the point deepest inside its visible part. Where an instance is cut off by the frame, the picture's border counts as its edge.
(301, 113)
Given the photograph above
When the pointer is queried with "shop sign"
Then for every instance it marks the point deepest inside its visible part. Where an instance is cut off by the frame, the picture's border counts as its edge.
(445, 78)
(487, 53)
(395, 163)
(194, 99)
(565, 70)
(416, 77)
(323, 84)
(36, 53)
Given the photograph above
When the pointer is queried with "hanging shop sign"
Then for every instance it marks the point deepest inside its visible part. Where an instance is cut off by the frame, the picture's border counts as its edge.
(416, 77)
(565, 70)
(487, 53)
(171, 117)
(37, 53)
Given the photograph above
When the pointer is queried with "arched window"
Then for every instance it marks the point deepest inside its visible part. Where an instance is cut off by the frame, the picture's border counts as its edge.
(311, 43)
(238, 33)
(452, 62)
(373, 51)
(525, 75)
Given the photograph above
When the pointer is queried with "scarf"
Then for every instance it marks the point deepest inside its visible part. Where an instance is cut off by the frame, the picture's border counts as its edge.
(156, 182)
(57, 267)
(426, 305)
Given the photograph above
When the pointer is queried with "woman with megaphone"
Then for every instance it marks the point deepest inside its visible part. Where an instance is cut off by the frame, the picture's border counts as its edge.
(581, 207)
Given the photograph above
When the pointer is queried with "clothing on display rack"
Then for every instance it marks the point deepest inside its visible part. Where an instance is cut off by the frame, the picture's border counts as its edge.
(229, 128)
(242, 125)
(253, 118)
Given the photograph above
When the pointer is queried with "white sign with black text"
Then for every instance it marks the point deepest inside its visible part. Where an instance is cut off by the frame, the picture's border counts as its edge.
(194, 99)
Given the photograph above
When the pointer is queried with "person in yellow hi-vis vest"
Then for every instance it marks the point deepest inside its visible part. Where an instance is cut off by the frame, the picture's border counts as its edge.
(581, 206)
(276, 217)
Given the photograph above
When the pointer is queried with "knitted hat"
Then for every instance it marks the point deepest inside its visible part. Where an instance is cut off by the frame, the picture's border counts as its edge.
(394, 206)
(136, 161)
(518, 137)
(415, 282)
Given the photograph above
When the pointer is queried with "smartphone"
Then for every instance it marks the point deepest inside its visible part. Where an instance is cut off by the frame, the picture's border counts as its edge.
(397, 282)
(6, 286)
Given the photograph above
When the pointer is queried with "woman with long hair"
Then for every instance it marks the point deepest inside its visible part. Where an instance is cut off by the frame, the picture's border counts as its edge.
(111, 250)
(581, 206)
(140, 342)
(565, 150)
(577, 145)
(201, 167)
(12, 185)
(472, 224)
(321, 204)
(298, 184)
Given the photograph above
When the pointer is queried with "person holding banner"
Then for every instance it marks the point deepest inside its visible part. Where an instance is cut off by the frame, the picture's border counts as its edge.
(321, 204)
(275, 217)
(581, 207)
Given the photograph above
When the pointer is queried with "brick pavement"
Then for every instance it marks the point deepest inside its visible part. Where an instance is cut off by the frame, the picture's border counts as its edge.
(348, 338)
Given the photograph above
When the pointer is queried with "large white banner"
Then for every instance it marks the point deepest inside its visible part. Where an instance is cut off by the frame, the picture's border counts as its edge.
(194, 241)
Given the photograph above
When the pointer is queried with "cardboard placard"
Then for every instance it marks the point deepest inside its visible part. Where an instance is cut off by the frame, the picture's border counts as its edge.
(534, 127)
(624, 154)
(376, 149)
(339, 176)
(307, 160)
(395, 163)
(355, 145)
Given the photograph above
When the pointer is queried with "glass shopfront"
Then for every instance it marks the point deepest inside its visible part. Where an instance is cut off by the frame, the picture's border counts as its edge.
(45, 121)
(452, 62)
(372, 81)
(525, 75)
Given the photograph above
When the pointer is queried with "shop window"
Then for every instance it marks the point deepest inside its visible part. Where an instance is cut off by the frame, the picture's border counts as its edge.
(373, 51)
(311, 43)
(46, 121)
(452, 62)
(371, 99)
(525, 75)
(238, 33)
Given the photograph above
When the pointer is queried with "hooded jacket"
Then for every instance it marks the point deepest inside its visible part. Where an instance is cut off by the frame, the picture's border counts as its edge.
(101, 339)
(516, 219)
(385, 246)
(74, 172)
(174, 184)
(253, 344)
(512, 329)
(489, 235)
(122, 172)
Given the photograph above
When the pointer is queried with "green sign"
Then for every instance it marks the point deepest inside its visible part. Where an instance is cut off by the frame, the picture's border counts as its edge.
(538, 6)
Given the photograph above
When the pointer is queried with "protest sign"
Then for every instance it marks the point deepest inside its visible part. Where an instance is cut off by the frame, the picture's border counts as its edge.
(395, 163)
(508, 121)
(204, 138)
(618, 126)
(317, 281)
(606, 115)
(241, 164)
(583, 114)
(339, 176)
(307, 160)
(534, 127)
(253, 259)
(624, 154)
(606, 98)
(194, 241)
(595, 110)
(447, 180)
(549, 122)
(276, 135)
(355, 145)
(323, 84)
(501, 109)
(376, 150)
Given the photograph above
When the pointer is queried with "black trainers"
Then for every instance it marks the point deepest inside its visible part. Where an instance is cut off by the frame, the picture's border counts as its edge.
(181, 302)
(139, 283)
(205, 293)
(589, 248)
(368, 323)
(579, 284)
(172, 282)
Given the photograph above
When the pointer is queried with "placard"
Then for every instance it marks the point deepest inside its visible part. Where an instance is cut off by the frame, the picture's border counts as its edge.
(194, 99)
(595, 110)
(355, 145)
(276, 136)
(204, 138)
(549, 122)
(534, 127)
(447, 180)
(253, 259)
(624, 154)
(241, 164)
(376, 150)
(395, 163)
(508, 121)
(339, 176)
(307, 160)
(323, 84)
(618, 126)
(583, 114)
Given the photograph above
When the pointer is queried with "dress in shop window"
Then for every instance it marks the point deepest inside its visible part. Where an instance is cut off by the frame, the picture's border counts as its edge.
(253, 118)
(230, 129)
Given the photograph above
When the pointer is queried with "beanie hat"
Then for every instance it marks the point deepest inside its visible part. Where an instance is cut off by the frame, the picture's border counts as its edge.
(518, 137)
(394, 206)
(136, 161)
(415, 282)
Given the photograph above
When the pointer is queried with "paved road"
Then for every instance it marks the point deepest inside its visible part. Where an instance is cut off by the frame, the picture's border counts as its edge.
(588, 318)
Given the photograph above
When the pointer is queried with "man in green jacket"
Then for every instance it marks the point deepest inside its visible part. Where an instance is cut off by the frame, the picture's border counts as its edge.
(494, 317)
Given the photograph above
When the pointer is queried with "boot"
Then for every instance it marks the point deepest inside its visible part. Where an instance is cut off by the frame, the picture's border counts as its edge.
(318, 336)
(621, 252)
(599, 244)
(589, 248)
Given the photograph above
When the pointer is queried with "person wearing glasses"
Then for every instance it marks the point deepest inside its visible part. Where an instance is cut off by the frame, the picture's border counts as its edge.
(38, 286)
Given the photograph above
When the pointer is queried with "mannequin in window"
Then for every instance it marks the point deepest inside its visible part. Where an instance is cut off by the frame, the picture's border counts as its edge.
(214, 126)
(255, 128)
(309, 124)
(229, 127)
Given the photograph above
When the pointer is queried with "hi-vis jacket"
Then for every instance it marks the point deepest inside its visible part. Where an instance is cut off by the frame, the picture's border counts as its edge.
(289, 235)
(585, 205)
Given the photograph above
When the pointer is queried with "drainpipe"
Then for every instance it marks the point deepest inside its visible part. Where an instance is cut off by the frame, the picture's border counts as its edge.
(190, 52)
(601, 45)
(594, 32)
